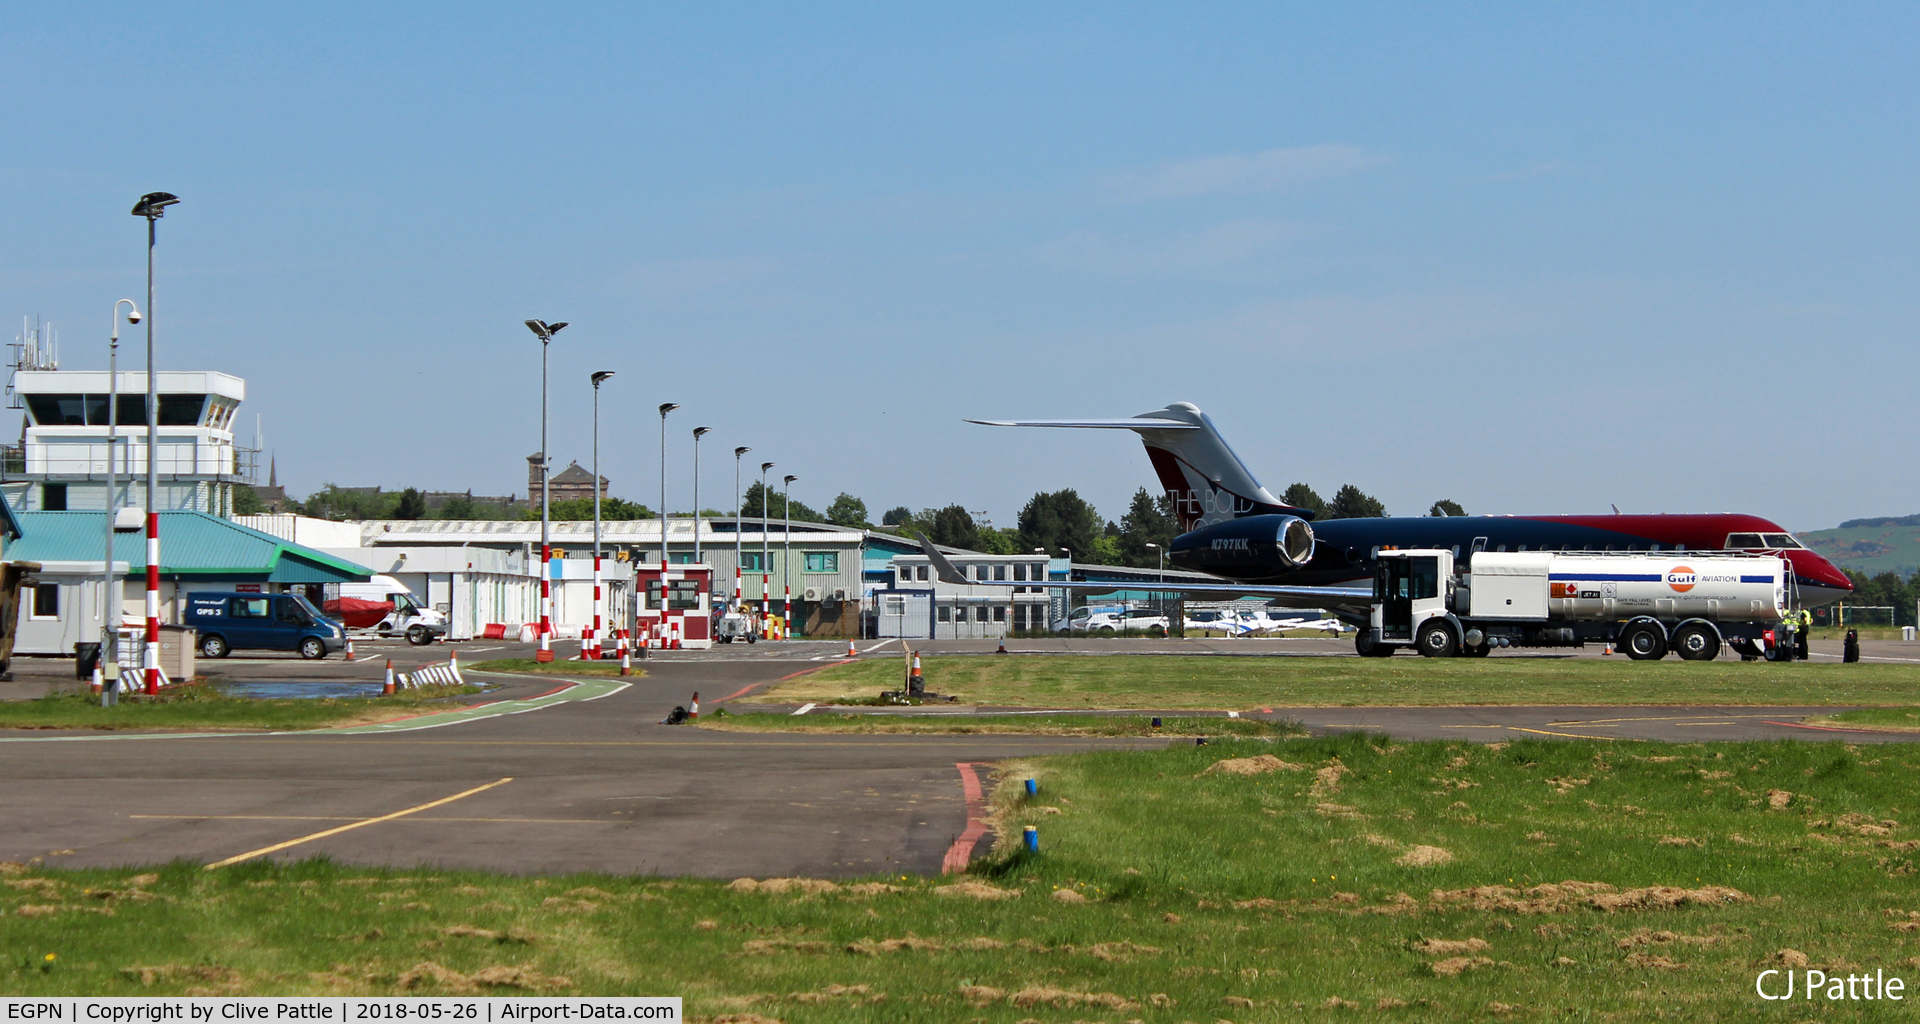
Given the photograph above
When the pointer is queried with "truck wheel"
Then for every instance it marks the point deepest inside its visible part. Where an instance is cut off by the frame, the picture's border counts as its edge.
(750, 638)
(1436, 640)
(311, 648)
(213, 646)
(418, 636)
(1696, 643)
(1364, 646)
(1643, 642)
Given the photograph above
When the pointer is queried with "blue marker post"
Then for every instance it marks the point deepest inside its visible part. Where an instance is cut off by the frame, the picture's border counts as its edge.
(1032, 836)
(1156, 721)
(1033, 788)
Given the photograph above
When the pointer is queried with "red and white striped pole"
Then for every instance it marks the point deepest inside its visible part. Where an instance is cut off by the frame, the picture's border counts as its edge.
(593, 636)
(153, 603)
(546, 604)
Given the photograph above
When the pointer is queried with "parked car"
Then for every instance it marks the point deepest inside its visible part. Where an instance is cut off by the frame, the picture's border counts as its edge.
(266, 622)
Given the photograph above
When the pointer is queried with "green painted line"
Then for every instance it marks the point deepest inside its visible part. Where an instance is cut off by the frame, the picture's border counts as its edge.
(581, 690)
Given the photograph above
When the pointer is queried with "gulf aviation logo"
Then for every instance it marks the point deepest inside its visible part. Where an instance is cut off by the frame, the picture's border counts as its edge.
(1681, 578)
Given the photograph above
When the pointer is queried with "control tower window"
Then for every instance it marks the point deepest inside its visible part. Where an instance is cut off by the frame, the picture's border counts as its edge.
(58, 410)
(181, 410)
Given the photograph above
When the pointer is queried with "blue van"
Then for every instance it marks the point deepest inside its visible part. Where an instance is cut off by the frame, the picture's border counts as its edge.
(271, 622)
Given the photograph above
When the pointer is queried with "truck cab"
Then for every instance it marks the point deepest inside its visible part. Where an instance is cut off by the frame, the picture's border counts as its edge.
(1411, 589)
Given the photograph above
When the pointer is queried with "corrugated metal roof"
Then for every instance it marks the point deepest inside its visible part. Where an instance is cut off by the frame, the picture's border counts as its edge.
(191, 543)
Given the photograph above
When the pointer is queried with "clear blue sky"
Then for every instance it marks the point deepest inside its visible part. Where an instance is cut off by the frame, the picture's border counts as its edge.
(1536, 258)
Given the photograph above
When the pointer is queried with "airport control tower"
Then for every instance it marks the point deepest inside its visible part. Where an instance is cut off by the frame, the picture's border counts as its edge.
(61, 461)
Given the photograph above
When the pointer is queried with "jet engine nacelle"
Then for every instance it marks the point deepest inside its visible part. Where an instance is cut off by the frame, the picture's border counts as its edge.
(1277, 543)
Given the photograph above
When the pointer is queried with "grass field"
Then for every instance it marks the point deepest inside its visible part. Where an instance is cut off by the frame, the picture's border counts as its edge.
(1207, 682)
(557, 667)
(1046, 725)
(203, 708)
(1308, 879)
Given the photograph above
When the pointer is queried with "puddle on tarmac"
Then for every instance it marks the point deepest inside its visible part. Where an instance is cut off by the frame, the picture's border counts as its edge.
(281, 691)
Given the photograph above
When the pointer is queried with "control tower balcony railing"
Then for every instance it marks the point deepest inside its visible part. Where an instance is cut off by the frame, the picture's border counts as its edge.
(88, 461)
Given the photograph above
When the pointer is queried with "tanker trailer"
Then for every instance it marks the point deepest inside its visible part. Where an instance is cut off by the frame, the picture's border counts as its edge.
(1646, 603)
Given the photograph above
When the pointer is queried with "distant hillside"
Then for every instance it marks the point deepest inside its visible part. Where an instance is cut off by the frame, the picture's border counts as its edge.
(1872, 546)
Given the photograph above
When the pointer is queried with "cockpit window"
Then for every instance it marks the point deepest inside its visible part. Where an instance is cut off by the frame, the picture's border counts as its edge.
(1781, 540)
(1738, 541)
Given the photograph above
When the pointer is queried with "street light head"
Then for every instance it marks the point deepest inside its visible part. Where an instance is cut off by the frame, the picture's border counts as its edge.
(133, 316)
(1156, 547)
(556, 328)
(667, 407)
(791, 478)
(540, 329)
(764, 466)
(153, 205)
(742, 450)
(699, 432)
(600, 376)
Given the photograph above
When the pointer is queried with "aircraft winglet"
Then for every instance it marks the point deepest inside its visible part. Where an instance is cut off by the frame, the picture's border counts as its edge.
(946, 570)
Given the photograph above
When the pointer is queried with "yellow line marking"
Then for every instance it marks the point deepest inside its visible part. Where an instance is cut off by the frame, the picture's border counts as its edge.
(343, 828)
(1544, 732)
(342, 817)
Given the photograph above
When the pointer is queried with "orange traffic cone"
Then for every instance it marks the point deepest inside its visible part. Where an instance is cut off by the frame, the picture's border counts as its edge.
(1609, 649)
(851, 651)
(387, 690)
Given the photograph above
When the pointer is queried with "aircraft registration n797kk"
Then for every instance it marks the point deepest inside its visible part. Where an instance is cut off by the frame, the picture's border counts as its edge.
(1235, 529)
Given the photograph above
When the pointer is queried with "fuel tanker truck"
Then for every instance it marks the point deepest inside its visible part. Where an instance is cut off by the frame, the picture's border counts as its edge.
(1646, 604)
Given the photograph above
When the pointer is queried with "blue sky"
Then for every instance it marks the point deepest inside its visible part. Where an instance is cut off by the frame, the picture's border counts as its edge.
(1535, 258)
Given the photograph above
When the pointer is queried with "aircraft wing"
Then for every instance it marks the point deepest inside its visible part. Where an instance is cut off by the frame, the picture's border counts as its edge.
(1356, 600)
(1129, 423)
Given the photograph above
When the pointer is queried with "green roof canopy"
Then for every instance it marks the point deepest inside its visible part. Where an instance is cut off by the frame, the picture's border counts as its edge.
(192, 545)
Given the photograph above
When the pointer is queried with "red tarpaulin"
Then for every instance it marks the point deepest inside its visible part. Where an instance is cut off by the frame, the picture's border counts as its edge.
(356, 613)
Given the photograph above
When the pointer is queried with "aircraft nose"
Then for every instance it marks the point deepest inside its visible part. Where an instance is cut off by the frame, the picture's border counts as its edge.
(1820, 579)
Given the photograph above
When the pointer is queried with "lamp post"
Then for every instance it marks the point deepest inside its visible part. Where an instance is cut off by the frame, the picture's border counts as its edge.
(110, 596)
(152, 206)
(545, 332)
(738, 501)
(786, 556)
(698, 432)
(665, 408)
(593, 638)
(766, 556)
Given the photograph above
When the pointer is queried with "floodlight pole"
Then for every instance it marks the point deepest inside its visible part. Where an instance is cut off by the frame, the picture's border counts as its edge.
(545, 332)
(111, 595)
(698, 432)
(786, 558)
(766, 556)
(739, 596)
(152, 206)
(593, 638)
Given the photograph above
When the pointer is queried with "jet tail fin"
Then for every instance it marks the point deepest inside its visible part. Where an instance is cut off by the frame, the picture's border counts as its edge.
(1206, 481)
